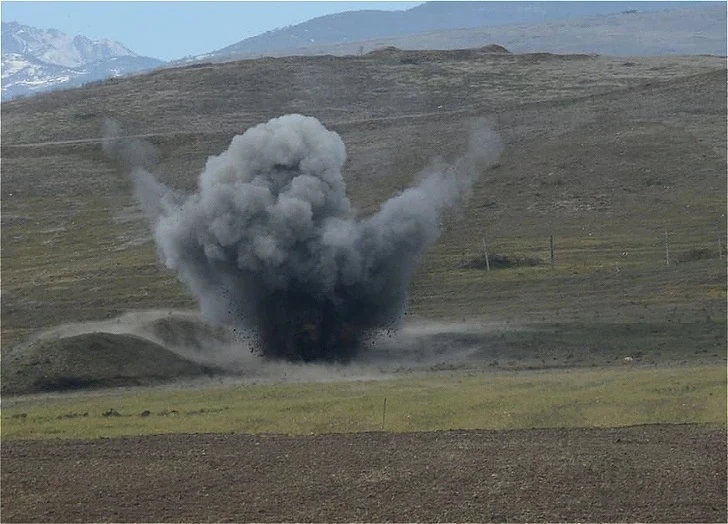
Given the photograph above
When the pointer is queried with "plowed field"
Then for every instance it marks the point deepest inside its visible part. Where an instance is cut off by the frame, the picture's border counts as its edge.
(663, 473)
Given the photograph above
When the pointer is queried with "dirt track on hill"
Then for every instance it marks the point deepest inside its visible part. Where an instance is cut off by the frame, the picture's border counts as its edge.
(654, 473)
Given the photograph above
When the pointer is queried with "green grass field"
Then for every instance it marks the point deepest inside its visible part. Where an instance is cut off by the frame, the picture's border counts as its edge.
(604, 397)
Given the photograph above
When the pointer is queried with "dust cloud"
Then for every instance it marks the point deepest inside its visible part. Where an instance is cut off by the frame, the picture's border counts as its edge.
(418, 346)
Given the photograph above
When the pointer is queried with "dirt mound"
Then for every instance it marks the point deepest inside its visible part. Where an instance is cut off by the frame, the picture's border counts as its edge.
(93, 360)
(495, 48)
(407, 56)
(385, 51)
(535, 58)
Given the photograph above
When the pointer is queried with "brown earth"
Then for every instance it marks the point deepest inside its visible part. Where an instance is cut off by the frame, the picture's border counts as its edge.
(93, 360)
(655, 473)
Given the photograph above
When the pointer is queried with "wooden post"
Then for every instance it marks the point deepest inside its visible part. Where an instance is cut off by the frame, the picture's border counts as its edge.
(720, 248)
(485, 252)
(551, 247)
(384, 411)
(667, 250)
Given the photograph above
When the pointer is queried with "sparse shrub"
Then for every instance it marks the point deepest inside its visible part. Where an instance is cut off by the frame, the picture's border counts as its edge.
(695, 254)
(72, 415)
(497, 261)
(653, 181)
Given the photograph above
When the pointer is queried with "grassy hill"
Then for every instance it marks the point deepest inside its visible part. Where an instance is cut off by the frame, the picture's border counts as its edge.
(605, 154)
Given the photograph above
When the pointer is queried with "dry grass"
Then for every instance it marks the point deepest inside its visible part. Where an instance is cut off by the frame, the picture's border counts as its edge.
(603, 156)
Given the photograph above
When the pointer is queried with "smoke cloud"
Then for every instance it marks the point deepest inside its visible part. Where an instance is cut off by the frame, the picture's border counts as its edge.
(269, 240)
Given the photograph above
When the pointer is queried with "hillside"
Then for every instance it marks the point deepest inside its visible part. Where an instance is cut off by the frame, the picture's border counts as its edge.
(698, 30)
(370, 29)
(606, 154)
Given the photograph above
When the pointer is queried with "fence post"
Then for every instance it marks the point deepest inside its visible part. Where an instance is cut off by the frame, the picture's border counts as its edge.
(667, 250)
(485, 252)
(720, 248)
(551, 247)
(384, 411)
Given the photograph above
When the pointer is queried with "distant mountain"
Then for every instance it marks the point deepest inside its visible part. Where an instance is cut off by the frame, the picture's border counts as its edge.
(35, 60)
(695, 31)
(355, 26)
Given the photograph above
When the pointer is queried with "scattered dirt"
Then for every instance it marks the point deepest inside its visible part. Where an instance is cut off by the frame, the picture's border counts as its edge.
(155, 347)
(656, 473)
(152, 347)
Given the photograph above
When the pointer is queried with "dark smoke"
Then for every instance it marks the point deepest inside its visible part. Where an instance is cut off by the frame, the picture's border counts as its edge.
(269, 241)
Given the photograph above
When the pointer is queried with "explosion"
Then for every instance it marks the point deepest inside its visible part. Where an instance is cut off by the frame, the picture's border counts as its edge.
(269, 240)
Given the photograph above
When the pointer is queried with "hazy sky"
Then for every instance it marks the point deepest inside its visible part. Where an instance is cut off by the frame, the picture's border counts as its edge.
(170, 30)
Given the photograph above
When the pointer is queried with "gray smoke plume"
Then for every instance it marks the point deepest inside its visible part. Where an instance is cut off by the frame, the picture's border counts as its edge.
(270, 242)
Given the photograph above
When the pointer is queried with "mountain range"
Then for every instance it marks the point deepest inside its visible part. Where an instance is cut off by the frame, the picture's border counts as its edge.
(355, 26)
(694, 31)
(36, 60)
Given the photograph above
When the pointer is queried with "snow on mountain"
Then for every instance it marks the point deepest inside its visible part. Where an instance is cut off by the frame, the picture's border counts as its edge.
(35, 60)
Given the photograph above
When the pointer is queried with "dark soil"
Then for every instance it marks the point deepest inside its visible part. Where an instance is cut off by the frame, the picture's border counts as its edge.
(93, 360)
(656, 473)
(194, 350)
